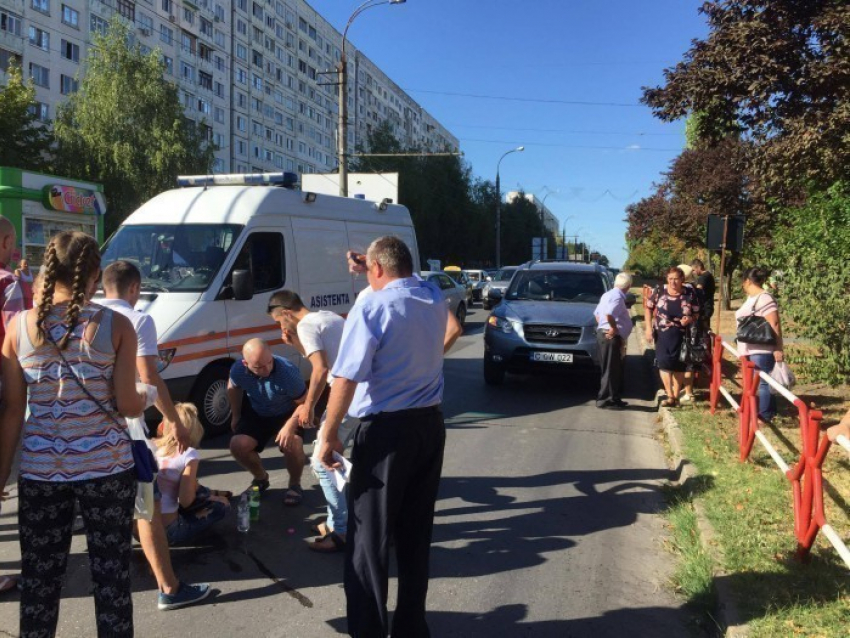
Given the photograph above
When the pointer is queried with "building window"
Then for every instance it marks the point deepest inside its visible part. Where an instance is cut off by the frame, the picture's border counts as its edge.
(146, 23)
(71, 16)
(205, 80)
(126, 9)
(70, 51)
(218, 89)
(258, 82)
(10, 23)
(257, 59)
(241, 52)
(40, 38)
(187, 41)
(68, 85)
(98, 24)
(241, 100)
(203, 107)
(41, 111)
(188, 16)
(219, 63)
(206, 27)
(219, 13)
(219, 38)
(241, 124)
(41, 5)
(167, 6)
(166, 34)
(218, 115)
(241, 27)
(169, 64)
(40, 75)
(7, 57)
(257, 11)
(241, 76)
(241, 147)
(187, 72)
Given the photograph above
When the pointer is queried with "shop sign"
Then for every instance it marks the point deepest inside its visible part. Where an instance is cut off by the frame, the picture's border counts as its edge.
(71, 199)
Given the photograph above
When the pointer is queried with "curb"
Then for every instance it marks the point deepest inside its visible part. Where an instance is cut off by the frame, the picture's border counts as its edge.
(727, 612)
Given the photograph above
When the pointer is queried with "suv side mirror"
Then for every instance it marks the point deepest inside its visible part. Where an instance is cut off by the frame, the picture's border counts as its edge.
(494, 294)
(631, 300)
(243, 285)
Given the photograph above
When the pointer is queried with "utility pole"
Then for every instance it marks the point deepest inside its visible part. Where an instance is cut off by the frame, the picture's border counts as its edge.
(518, 149)
(343, 123)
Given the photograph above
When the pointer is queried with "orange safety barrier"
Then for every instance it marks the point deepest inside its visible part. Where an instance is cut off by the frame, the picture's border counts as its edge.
(806, 477)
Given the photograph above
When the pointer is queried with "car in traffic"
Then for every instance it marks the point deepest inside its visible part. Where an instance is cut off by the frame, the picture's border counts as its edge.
(459, 276)
(499, 282)
(543, 322)
(453, 292)
(478, 279)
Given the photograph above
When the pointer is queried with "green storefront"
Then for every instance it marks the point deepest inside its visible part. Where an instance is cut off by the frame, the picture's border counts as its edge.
(41, 205)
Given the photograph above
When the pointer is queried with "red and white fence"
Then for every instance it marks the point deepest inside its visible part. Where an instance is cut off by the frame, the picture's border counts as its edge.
(806, 474)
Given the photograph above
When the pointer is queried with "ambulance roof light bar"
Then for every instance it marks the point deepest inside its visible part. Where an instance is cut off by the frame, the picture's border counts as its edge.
(287, 180)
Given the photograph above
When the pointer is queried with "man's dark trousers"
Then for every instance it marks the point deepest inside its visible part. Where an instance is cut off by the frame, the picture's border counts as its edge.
(611, 361)
(397, 459)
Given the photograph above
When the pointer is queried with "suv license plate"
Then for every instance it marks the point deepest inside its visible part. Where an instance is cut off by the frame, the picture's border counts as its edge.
(552, 357)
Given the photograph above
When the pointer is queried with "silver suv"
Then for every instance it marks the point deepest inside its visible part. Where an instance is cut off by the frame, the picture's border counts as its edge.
(544, 320)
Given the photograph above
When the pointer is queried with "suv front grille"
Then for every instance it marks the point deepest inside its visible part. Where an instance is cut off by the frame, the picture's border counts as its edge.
(552, 334)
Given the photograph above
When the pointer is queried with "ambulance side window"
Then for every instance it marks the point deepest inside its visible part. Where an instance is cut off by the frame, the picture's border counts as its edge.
(264, 254)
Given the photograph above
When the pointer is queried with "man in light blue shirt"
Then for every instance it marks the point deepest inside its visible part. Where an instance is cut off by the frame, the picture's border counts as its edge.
(612, 335)
(389, 373)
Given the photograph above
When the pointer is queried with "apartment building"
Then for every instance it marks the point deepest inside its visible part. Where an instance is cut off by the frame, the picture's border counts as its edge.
(259, 75)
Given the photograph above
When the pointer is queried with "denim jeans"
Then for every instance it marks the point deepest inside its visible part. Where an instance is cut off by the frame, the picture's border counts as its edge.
(187, 527)
(337, 501)
(767, 400)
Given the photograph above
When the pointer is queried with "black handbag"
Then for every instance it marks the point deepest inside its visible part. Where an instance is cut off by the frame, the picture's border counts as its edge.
(143, 458)
(693, 349)
(755, 330)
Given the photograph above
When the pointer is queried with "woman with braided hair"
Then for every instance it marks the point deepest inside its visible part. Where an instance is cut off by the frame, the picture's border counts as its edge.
(77, 360)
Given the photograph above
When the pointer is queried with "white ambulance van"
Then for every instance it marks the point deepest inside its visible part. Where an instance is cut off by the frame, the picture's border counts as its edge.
(212, 253)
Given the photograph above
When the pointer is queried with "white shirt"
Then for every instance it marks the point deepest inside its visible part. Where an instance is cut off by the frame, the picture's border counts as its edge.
(170, 471)
(321, 330)
(143, 324)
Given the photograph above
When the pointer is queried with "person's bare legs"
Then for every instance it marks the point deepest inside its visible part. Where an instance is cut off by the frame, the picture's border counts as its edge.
(689, 383)
(155, 546)
(295, 462)
(678, 380)
(243, 448)
(667, 381)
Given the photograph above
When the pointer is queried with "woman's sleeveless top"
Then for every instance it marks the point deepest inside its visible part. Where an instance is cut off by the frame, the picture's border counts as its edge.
(67, 437)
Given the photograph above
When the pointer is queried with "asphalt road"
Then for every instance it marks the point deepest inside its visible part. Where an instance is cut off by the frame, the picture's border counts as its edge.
(548, 525)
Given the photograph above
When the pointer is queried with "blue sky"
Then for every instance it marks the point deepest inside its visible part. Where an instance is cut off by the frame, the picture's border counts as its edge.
(599, 157)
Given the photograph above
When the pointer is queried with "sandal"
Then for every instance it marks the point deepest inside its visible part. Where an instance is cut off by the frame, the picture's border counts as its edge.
(293, 496)
(669, 403)
(337, 544)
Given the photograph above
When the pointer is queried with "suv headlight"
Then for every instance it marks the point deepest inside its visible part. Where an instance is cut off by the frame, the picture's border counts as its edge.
(505, 325)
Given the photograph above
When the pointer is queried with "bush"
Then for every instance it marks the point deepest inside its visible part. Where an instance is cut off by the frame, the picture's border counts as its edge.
(810, 251)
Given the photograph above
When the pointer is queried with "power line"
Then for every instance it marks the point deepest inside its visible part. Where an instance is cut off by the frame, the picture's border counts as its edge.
(508, 98)
(560, 130)
(576, 147)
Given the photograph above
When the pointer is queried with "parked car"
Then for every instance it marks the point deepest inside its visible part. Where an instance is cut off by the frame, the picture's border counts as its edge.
(478, 279)
(499, 282)
(544, 321)
(460, 277)
(453, 292)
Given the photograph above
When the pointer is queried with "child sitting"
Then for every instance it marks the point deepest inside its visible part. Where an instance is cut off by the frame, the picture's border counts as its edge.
(188, 509)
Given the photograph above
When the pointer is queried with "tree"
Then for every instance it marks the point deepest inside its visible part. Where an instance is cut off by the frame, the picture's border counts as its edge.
(125, 127)
(26, 141)
(779, 70)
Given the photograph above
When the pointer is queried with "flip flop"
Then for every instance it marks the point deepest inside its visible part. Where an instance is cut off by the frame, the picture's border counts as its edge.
(293, 496)
(8, 583)
(337, 544)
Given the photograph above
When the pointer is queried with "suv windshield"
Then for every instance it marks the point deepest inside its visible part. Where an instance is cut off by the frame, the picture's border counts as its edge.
(505, 274)
(181, 258)
(556, 285)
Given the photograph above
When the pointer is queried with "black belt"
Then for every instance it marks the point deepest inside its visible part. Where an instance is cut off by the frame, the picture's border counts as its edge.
(410, 412)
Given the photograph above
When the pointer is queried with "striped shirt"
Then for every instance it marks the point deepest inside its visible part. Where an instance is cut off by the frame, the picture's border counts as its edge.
(67, 437)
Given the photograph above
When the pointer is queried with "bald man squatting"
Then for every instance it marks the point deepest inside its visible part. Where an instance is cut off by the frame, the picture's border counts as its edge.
(264, 390)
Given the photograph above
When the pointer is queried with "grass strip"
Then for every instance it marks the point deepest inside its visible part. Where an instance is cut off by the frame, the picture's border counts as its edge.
(749, 506)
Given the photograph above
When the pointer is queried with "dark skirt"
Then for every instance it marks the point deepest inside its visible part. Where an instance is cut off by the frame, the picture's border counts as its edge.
(667, 348)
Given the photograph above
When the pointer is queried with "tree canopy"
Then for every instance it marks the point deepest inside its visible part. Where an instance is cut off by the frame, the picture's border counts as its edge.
(125, 127)
(26, 140)
(780, 71)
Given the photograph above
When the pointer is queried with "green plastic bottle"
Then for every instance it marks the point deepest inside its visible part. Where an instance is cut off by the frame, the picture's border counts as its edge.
(254, 504)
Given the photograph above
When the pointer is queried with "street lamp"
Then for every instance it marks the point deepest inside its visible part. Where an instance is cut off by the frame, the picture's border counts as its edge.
(342, 69)
(518, 149)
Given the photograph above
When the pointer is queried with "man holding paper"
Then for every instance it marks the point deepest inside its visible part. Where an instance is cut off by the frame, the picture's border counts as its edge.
(317, 336)
(389, 372)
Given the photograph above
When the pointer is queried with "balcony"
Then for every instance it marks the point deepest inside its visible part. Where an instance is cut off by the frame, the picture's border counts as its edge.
(11, 42)
(103, 8)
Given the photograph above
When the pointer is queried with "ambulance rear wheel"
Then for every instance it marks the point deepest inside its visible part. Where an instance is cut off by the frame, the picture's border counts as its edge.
(210, 397)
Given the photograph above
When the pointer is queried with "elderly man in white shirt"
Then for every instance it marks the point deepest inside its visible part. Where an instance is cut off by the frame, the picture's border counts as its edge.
(612, 334)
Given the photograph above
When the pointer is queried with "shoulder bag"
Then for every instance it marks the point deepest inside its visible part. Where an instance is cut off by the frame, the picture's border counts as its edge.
(142, 456)
(755, 330)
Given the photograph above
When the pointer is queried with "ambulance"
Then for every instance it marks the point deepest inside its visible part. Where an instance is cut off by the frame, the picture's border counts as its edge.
(213, 251)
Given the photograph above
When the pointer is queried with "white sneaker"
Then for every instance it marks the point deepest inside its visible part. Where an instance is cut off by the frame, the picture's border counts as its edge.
(687, 398)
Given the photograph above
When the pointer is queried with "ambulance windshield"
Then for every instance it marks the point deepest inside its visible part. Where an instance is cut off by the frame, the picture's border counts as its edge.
(179, 258)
